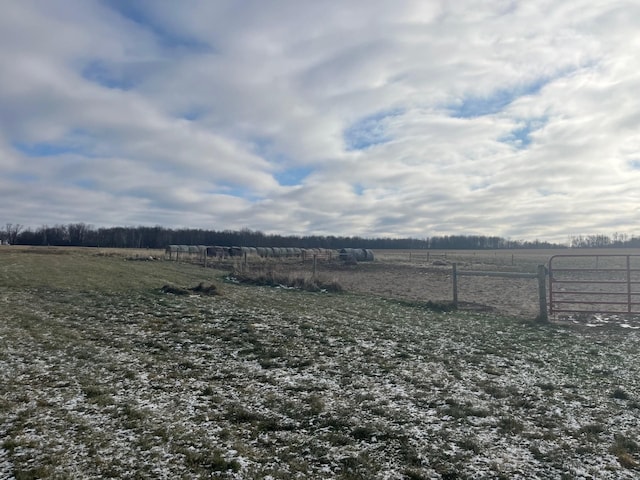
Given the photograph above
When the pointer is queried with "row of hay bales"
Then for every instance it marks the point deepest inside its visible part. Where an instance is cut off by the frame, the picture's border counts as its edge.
(357, 255)
(177, 251)
(269, 252)
(185, 249)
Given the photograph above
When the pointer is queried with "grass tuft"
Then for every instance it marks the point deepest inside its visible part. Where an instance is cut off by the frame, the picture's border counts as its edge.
(172, 289)
(624, 448)
(201, 289)
(620, 394)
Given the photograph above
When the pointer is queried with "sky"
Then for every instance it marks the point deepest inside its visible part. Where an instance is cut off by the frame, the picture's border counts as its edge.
(403, 118)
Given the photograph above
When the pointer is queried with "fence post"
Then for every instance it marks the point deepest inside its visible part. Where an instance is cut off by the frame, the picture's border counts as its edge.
(315, 261)
(629, 293)
(454, 276)
(542, 293)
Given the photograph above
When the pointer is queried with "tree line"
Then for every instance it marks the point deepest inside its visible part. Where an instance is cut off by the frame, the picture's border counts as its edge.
(604, 241)
(83, 235)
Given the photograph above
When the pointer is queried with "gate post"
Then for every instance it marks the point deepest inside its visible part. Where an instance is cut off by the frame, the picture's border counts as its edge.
(542, 293)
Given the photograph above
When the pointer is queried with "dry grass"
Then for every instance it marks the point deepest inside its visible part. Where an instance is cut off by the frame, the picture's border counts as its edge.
(277, 276)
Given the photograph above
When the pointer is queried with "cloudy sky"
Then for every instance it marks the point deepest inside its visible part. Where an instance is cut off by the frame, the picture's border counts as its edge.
(374, 118)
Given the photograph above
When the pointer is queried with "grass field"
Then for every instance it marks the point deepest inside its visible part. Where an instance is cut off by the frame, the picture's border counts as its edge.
(104, 376)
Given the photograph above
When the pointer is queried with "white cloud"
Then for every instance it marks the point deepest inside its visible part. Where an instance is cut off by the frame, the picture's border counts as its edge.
(391, 118)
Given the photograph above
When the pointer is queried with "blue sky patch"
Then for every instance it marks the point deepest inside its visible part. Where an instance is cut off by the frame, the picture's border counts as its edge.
(635, 164)
(236, 191)
(285, 176)
(76, 141)
(194, 114)
(266, 148)
(23, 177)
(369, 131)
(137, 12)
(472, 107)
(292, 176)
(520, 138)
(97, 71)
(41, 149)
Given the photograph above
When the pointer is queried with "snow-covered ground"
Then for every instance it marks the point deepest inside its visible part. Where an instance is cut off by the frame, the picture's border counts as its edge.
(279, 384)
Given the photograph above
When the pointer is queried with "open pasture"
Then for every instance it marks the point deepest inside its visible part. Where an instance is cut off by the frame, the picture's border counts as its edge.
(103, 375)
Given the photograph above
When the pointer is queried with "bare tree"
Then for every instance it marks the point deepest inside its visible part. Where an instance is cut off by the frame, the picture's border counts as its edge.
(11, 232)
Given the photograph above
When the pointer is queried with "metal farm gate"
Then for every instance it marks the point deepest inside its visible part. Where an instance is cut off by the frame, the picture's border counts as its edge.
(594, 284)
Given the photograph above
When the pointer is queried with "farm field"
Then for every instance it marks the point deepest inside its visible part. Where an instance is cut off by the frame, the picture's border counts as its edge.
(104, 375)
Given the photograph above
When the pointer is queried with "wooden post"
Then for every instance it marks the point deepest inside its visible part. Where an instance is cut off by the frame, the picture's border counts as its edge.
(315, 260)
(454, 275)
(204, 258)
(542, 293)
(245, 261)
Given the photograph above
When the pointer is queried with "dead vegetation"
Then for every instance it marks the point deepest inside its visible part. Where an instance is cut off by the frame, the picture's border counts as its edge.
(200, 289)
(275, 276)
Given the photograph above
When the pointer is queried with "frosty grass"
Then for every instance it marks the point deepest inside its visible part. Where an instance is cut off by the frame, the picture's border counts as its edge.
(278, 384)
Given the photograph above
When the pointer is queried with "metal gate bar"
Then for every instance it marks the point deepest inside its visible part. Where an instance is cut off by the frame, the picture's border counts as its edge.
(564, 272)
